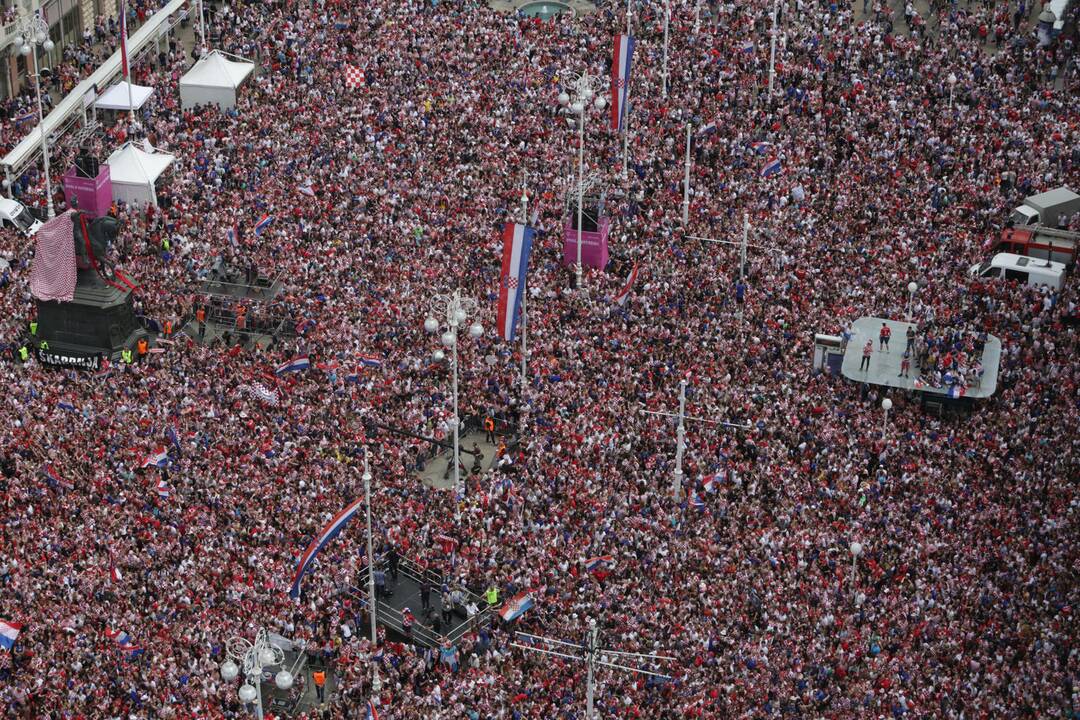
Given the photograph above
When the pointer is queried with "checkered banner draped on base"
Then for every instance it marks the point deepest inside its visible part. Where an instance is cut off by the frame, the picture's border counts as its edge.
(52, 275)
(354, 76)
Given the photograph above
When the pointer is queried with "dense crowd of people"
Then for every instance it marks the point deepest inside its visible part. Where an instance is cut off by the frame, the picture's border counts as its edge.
(960, 602)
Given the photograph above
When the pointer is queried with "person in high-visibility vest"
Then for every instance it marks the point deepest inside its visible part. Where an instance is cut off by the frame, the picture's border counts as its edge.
(492, 595)
(168, 328)
(200, 316)
(489, 429)
(33, 327)
(126, 356)
(24, 353)
(319, 677)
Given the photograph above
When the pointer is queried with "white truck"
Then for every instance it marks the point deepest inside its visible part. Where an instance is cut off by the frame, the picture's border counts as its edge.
(1045, 208)
(12, 212)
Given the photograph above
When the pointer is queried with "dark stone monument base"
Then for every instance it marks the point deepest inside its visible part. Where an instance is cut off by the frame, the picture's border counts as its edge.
(99, 319)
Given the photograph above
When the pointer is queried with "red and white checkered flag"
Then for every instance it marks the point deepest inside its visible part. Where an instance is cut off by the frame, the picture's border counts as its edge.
(52, 275)
(354, 77)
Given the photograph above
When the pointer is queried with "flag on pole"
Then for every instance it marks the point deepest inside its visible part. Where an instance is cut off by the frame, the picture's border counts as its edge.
(123, 44)
(354, 77)
(624, 294)
(371, 361)
(517, 243)
(771, 168)
(295, 365)
(713, 482)
(518, 606)
(321, 540)
(761, 147)
(158, 459)
(264, 222)
(163, 489)
(593, 563)
(372, 713)
(620, 78)
(8, 632)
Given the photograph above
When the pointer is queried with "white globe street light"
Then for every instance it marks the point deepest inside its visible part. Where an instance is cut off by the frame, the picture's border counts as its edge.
(584, 88)
(886, 405)
(856, 551)
(32, 31)
(912, 288)
(250, 660)
(456, 309)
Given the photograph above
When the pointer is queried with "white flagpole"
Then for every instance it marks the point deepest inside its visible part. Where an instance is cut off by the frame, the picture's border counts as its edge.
(626, 107)
(524, 299)
(772, 49)
(686, 181)
(127, 78)
(667, 19)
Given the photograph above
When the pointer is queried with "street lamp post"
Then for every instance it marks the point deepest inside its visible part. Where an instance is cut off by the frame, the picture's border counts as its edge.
(912, 288)
(584, 88)
(772, 48)
(457, 310)
(686, 180)
(952, 85)
(33, 31)
(250, 659)
(856, 551)
(886, 405)
(667, 21)
(373, 603)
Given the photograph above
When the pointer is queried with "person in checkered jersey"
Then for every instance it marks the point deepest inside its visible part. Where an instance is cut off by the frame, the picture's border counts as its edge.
(389, 192)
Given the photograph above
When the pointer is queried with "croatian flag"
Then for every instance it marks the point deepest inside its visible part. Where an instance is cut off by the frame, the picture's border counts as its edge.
(162, 489)
(370, 361)
(122, 639)
(170, 433)
(123, 43)
(159, 459)
(115, 575)
(696, 502)
(65, 405)
(295, 365)
(372, 713)
(761, 147)
(620, 78)
(517, 243)
(8, 632)
(956, 391)
(264, 222)
(593, 563)
(624, 294)
(321, 540)
(713, 482)
(518, 606)
(747, 47)
(771, 168)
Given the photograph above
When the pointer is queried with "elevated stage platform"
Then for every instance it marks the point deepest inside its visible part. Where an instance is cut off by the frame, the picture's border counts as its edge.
(885, 365)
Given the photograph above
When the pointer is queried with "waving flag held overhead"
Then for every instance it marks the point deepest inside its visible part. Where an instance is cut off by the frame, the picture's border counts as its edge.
(170, 433)
(264, 222)
(8, 632)
(122, 639)
(713, 482)
(295, 365)
(115, 575)
(159, 459)
(771, 168)
(761, 147)
(371, 361)
(321, 540)
(372, 713)
(624, 294)
(517, 243)
(518, 606)
(597, 562)
(620, 79)
(163, 489)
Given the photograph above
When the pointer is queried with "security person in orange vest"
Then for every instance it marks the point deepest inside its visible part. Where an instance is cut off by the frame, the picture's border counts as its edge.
(489, 429)
(143, 347)
(319, 677)
(168, 328)
(200, 316)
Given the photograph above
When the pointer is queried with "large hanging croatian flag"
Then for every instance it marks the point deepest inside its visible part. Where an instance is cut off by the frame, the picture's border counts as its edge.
(517, 243)
(518, 606)
(620, 78)
(123, 43)
(321, 540)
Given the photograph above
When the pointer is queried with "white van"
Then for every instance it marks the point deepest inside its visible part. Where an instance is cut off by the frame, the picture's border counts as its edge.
(1028, 270)
(12, 212)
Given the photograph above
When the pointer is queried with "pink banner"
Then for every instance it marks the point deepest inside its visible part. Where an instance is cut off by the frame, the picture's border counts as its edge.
(594, 249)
(94, 194)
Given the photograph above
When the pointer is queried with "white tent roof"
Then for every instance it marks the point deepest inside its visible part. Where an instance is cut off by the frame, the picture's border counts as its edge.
(128, 164)
(213, 70)
(116, 97)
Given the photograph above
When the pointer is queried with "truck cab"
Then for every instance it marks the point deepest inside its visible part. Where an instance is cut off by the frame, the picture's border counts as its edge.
(15, 213)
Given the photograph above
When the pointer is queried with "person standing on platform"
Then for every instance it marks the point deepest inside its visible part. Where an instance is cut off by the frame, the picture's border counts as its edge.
(867, 351)
(883, 337)
(425, 594)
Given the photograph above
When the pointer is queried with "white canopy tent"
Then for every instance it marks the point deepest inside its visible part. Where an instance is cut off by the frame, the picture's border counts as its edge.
(116, 97)
(214, 80)
(133, 173)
